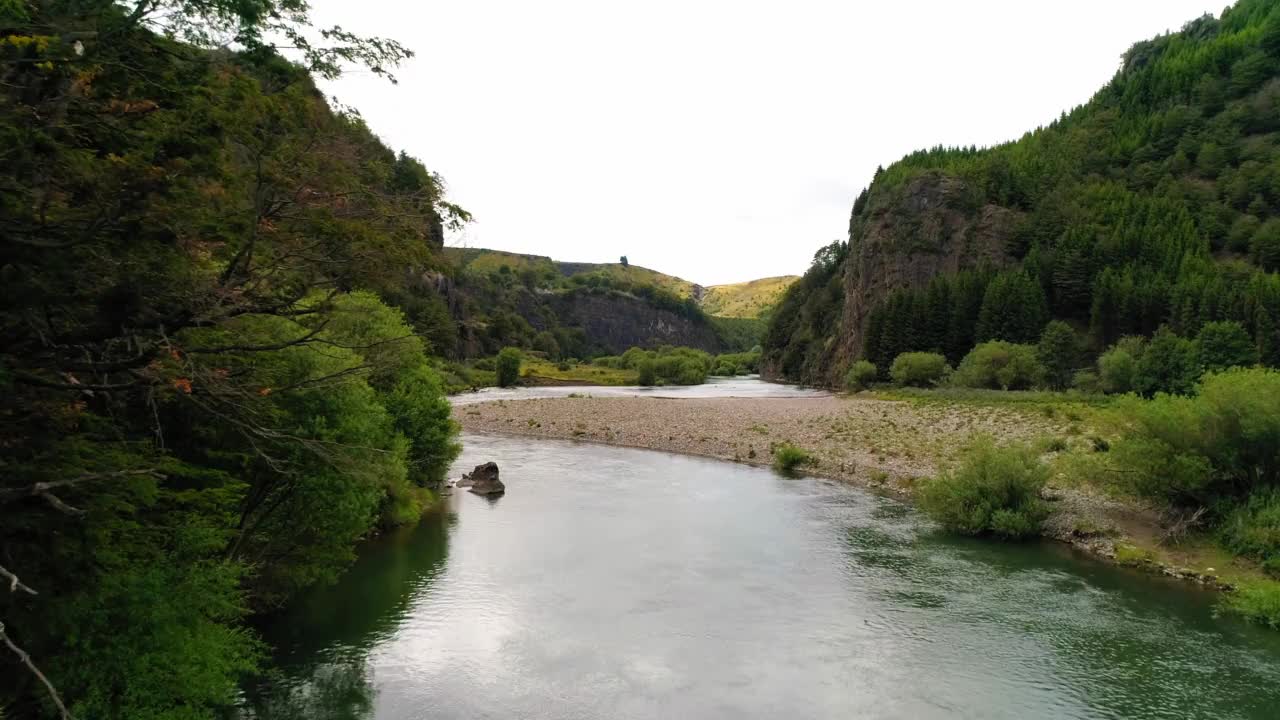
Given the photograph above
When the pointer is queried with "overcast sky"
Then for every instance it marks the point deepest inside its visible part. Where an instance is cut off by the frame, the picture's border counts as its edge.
(717, 141)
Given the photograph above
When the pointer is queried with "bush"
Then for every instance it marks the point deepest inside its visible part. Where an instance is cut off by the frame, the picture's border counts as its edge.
(1224, 345)
(994, 490)
(1212, 450)
(486, 364)
(1000, 365)
(1117, 369)
(1086, 381)
(508, 366)
(1169, 364)
(788, 458)
(860, 376)
(919, 369)
(1253, 530)
(648, 376)
(1059, 352)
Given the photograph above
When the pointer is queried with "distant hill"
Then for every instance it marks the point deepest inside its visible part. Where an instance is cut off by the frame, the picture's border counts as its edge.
(481, 260)
(747, 299)
(737, 300)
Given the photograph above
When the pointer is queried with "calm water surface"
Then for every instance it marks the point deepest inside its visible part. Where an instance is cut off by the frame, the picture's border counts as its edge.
(747, 386)
(618, 583)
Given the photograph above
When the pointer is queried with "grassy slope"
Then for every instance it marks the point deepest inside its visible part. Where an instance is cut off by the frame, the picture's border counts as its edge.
(747, 299)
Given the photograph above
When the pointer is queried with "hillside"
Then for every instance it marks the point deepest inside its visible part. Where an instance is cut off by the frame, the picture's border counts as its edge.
(479, 260)
(483, 300)
(1154, 204)
(750, 299)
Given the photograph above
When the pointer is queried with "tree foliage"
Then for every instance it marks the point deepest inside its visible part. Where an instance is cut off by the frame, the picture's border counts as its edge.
(206, 400)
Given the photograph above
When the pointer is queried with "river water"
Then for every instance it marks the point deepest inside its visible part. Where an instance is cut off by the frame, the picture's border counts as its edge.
(749, 386)
(618, 583)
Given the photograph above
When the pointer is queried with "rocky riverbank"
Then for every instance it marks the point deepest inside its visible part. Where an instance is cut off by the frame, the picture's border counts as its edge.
(886, 445)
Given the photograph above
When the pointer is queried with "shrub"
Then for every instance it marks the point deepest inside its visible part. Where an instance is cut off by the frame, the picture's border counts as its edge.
(1221, 445)
(1116, 371)
(1000, 365)
(860, 376)
(1170, 364)
(1086, 381)
(1253, 530)
(648, 376)
(1224, 345)
(788, 458)
(919, 369)
(1059, 352)
(994, 490)
(508, 366)
(563, 366)
(486, 364)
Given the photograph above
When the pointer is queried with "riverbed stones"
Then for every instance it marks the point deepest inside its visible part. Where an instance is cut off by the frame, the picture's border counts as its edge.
(483, 480)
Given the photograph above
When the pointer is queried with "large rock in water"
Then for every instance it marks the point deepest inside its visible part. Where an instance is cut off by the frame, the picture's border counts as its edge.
(483, 480)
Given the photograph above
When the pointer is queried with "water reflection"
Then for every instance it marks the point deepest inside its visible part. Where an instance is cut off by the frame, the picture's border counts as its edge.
(320, 666)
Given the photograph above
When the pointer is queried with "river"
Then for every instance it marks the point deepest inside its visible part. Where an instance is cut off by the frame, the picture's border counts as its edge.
(749, 386)
(619, 583)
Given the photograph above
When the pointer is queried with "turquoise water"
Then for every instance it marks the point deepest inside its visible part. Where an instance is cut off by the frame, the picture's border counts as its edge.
(619, 583)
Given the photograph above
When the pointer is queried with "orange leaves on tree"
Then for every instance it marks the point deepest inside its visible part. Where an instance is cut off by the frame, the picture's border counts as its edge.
(183, 384)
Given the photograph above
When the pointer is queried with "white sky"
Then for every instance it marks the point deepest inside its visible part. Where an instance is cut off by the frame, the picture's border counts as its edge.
(717, 141)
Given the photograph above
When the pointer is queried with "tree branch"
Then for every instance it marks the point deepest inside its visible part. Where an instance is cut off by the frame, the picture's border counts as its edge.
(26, 660)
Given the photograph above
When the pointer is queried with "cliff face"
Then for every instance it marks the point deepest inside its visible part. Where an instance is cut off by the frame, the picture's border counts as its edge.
(616, 321)
(905, 237)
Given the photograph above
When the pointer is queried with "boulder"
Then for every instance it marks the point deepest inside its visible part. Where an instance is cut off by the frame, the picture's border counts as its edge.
(483, 480)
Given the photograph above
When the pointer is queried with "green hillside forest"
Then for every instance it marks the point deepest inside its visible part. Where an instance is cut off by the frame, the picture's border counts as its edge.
(1151, 208)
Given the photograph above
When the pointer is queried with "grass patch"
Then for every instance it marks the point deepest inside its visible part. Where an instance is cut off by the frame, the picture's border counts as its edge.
(584, 373)
(787, 458)
(1133, 556)
(1257, 601)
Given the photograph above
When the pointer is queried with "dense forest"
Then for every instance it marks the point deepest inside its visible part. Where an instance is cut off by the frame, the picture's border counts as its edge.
(207, 399)
(1155, 205)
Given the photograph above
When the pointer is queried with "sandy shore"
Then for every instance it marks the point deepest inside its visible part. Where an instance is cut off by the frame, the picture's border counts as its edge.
(886, 445)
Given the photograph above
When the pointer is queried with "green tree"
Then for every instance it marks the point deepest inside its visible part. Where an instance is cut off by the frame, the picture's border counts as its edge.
(1060, 351)
(1170, 364)
(1225, 344)
(1013, 309)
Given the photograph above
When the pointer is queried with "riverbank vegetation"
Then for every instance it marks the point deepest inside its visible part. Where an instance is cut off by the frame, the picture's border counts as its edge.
(665, 365)
(207, 399)
(1209, 459)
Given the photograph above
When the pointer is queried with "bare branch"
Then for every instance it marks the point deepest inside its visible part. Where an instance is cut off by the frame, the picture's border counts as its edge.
(26, 660)
(14, 583)
(44, 490)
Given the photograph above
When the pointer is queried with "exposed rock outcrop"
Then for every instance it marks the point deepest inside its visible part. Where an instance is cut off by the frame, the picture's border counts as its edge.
(483, 480)
(905, 237)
